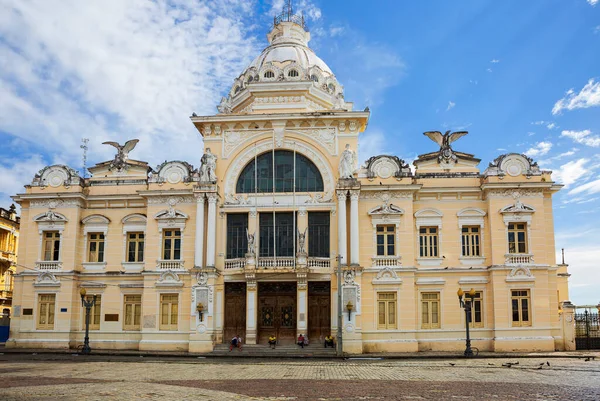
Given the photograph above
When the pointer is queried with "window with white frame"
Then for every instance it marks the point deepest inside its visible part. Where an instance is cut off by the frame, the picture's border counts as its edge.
(386, 240)
(132, 312)
(517, 238)
(50, 227)
(429, 239)
(134, 232)
(169, 309)
(46, 306)
(95, 229)
(471, 223)
(51, 246)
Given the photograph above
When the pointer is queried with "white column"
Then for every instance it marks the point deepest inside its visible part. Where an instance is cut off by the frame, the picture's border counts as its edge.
(341, 195)
(251, 313)
(211, 233)
(199, 252)
(354, 234)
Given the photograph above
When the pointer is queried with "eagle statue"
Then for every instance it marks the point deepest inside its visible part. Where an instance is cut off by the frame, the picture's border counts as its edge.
(122, 155)
(446, 154)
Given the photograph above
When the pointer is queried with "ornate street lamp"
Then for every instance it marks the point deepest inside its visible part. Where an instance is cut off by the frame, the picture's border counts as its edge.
(200, 309)
(88, 307)
(466, 305)
(349, 307)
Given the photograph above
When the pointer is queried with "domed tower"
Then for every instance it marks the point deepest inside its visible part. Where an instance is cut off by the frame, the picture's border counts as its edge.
(286, 76)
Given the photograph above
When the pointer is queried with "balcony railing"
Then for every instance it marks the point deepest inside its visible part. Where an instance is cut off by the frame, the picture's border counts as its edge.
(169, 264)
(270, 262)
(6, 255)
(319, 263)
(238, 263)
(386, 261)
(518, 259)
(48, 265)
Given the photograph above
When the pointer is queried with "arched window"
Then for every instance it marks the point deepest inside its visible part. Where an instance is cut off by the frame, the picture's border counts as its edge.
(237, 89)
(308, 177)
(250, 78)
(293, 73)
(269, 74)
(314, 78)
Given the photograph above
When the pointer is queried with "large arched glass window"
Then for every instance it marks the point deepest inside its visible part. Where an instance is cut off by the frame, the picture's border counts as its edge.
(308, 177)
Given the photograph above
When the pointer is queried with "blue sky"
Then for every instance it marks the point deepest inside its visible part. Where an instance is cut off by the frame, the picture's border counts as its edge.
(520, 76)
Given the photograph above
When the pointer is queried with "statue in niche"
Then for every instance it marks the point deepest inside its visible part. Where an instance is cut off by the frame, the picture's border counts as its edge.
(302, 241)
(348, 163)
(208, 167)
(251, 239)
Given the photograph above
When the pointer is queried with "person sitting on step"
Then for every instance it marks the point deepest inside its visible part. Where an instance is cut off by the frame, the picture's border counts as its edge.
(272, 341)
(329, 341)
(301, 340)
(236, 342)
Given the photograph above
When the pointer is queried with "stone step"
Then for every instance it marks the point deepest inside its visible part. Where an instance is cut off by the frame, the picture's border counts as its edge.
(316, 350)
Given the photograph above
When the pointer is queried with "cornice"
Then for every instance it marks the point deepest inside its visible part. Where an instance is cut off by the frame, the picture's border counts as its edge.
(517, 185)
(224, 118)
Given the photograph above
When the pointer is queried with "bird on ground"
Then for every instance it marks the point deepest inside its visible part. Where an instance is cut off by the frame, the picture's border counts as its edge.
(547, 363)
(452, 364)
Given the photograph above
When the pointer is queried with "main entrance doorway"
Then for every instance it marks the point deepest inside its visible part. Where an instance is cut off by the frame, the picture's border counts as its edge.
(277, 312)
(235, 311)
(319, 310)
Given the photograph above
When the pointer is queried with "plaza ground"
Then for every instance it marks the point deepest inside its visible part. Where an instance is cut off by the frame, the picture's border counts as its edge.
(76, 377)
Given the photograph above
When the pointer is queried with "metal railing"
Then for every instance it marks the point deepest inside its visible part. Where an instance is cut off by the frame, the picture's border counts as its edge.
(170, 264)
(385, 261)
(518, 259)
(319, 263)
(48, 265)
(237, 263)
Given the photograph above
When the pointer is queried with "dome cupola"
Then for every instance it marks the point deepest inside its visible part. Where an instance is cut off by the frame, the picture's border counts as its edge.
(287, 63)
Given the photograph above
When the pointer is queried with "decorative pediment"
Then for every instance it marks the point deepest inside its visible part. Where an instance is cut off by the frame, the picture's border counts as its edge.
(385, 166)
(46, 279)
(169, 279)
(50, 217)
(95, 219)
(471, 216)
(514, 165)
(520, 273)
(55, 176)
(387, 275)
(135, 218)
(173, 172)
(171, 213)
(429, 217)
(518, 207)
(386, 209)
(428, 212)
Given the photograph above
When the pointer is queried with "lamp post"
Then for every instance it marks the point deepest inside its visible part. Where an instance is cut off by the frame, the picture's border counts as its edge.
(88, 307)
(466, 305)
(200, 309)
(339, 349)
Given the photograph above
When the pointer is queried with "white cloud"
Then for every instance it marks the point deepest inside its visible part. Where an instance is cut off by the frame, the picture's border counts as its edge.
(336, 31)
(592, 2)
(589, 96)
(541, 122)
(474, 82)
(140, 72)
(495, 61)
(15, 173)
(371, 143)
(590, 188)
(530, 133)
(597, 29)
(551, 126)
(571, 172)
(489, 70)
(540, 149)
(584, 137)
(583, 267)
(451, 104)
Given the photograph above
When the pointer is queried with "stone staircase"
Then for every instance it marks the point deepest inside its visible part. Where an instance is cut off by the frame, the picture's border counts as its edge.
(281, 351)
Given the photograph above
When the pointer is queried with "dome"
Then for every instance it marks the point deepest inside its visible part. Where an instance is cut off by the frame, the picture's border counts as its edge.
(287, 59)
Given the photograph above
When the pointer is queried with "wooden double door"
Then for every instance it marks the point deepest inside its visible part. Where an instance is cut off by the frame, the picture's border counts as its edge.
(235, 311)
(319, 310)
(277, 311)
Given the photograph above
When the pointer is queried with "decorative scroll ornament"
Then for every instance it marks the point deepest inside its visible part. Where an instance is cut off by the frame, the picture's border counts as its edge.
(120, 162)
(446, 154)
(386, 166)
(202, 278)
(349, 276)
(320, 198)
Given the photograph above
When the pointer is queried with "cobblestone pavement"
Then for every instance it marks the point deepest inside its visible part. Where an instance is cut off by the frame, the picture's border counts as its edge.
(84, 378)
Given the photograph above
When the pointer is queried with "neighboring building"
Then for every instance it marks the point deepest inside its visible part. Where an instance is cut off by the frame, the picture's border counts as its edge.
(252, 235)
(9, 241)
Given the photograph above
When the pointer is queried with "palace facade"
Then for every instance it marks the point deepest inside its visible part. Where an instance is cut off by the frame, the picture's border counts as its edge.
(249, 243)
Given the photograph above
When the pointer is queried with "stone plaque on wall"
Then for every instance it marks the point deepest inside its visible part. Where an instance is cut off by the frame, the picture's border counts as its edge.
(349, 295)
(149, 321)
(16, 311)
(202, 297)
